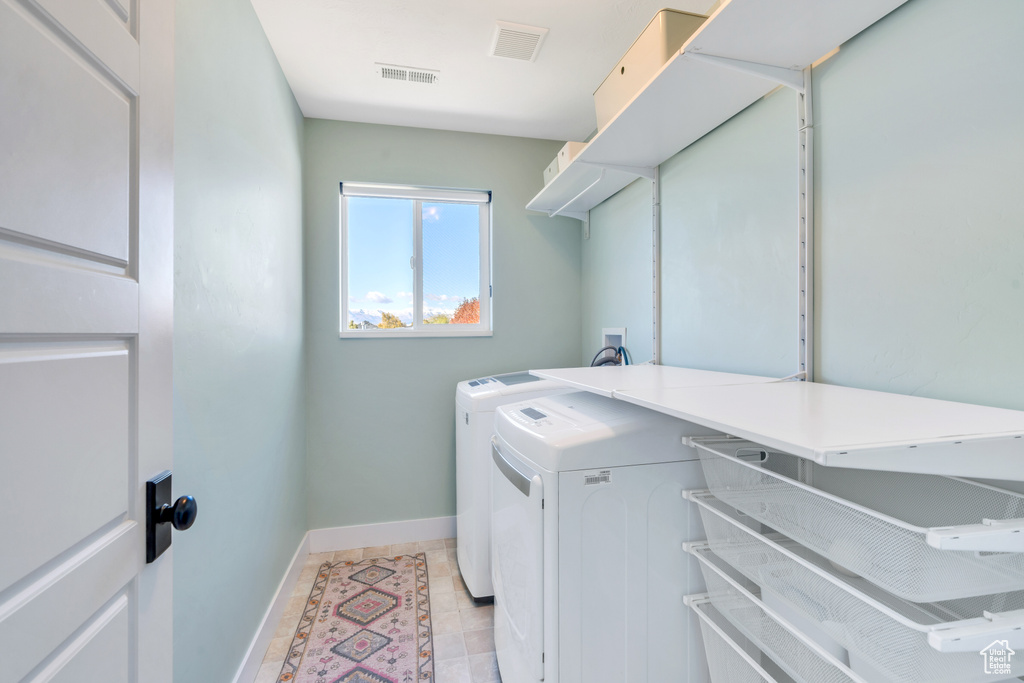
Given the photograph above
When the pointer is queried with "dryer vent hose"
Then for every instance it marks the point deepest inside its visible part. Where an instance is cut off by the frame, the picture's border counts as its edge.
(619, 357)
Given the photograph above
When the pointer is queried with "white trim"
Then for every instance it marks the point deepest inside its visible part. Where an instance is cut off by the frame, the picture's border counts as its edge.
(428, 194)
(417, 265)
(486, 291)
(253, 659)
(342, 263)
(385, 533)
(405, 332)
(418, 196)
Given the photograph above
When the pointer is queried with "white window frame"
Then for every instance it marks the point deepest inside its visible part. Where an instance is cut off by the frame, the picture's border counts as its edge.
(418, 195)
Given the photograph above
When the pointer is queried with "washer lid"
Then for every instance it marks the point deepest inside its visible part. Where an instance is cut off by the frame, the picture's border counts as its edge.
(487, 393)
(512, 378)
(581, 430)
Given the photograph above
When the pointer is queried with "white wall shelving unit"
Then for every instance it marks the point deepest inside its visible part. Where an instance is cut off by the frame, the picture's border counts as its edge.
(741, 53)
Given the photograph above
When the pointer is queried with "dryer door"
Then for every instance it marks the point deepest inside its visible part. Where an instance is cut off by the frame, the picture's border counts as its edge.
(517, 546)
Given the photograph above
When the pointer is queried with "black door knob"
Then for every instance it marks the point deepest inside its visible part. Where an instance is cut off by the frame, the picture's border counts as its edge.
(181, 515)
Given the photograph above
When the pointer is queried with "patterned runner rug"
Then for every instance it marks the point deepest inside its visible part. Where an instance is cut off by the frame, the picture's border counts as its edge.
(365, 622)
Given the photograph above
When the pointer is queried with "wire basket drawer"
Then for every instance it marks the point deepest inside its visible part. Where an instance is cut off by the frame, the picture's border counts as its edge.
(731, 657)
(888, 634)
(875, 524)
(804, 660)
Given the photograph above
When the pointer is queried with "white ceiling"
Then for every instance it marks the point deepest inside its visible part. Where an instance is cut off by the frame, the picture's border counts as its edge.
(328, 48)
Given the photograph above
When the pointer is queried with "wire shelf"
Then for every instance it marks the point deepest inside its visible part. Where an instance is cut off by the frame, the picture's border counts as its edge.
(874, 524)
(889, 634)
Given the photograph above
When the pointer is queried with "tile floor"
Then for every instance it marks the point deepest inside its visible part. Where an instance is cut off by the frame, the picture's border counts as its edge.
(463, 630)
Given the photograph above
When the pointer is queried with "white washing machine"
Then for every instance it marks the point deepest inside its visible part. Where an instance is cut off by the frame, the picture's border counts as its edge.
(588, 522)
(475, 403)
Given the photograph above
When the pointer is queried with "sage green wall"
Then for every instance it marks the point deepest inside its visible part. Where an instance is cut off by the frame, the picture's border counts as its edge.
(728, 250)
(617, 272)
(381, 434)
(728, 245)
(921, 214)
(238, 338)
(920, 218)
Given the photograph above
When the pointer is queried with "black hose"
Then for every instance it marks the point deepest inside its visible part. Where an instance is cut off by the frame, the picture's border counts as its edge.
(594, 362)
(607, 360)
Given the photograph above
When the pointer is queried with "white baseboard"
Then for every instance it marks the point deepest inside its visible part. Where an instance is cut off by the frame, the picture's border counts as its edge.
(265, 633)
(386, 533)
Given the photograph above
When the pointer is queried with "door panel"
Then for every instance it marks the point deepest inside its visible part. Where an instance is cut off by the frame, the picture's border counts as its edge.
(102, 646)
(56, 603)
(78, 303)
(86, 301)
(67, 138)
(104, 36)
(68, 427)
(121, 9)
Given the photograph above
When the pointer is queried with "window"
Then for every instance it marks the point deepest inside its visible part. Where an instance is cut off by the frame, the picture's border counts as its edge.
(415, 261)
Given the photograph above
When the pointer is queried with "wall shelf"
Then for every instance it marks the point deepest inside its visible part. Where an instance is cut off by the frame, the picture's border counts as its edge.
(741, 53)
(839, 426)
(609, 379)
(832, 425)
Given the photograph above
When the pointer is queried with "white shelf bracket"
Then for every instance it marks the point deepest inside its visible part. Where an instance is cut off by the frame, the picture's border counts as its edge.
(981, 633)
(791, 78)
(641, 171)
(992, 536)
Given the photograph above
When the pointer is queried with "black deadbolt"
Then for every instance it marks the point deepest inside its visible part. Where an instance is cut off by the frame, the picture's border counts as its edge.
(161, 515)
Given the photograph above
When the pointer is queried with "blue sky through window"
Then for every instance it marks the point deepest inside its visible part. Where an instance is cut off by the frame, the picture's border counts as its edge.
(380, 244)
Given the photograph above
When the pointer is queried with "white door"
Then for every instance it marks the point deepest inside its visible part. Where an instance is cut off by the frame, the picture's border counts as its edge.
(86, 258)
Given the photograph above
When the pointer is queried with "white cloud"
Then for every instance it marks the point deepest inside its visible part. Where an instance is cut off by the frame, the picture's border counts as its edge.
(404, 295)
(443, 297)
(378, 298)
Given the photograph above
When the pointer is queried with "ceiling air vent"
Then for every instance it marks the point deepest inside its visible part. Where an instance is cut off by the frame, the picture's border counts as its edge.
(516, 41)
(393, 72)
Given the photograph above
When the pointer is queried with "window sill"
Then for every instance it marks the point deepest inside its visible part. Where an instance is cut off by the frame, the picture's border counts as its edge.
(411, 334)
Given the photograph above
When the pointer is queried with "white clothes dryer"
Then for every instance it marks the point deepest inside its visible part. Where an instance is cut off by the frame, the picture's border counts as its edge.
(475, 403)
(588, 522)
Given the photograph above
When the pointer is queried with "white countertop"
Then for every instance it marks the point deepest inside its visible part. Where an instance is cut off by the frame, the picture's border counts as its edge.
(846, 427)
(832, 425)
(608, 380)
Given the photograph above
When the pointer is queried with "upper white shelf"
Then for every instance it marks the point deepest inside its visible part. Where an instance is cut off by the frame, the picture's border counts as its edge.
(607, 380)
(741, 53)
(844, 427)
